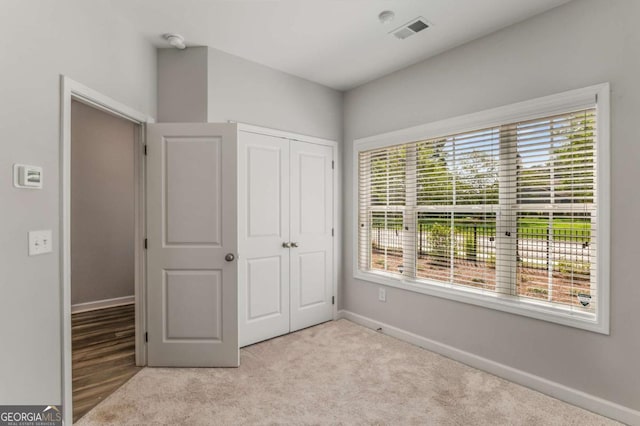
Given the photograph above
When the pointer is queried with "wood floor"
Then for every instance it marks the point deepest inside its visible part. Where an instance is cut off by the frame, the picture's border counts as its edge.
(103, 348)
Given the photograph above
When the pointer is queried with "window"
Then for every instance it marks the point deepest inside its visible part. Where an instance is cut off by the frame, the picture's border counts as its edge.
(507, 214)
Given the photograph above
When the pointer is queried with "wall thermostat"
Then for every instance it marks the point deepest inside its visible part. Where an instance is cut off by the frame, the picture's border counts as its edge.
(25, 176)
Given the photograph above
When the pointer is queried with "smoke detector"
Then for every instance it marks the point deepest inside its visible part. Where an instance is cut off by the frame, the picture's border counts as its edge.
(410, 28)
(386, 16)
(175, 40)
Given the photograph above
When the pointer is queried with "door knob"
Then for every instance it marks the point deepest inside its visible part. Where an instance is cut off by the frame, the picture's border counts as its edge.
(286, 245)
(294, 244)
(229, 257)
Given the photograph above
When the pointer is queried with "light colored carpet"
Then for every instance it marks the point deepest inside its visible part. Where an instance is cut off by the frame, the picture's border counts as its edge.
(334, 373)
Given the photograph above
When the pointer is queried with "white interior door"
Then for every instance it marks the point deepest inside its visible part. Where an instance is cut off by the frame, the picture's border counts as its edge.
(263, 263)
(191, 228)
(311, 234)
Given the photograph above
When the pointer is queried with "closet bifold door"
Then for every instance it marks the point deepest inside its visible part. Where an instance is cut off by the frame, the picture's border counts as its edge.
(263, 228)
(311, 226)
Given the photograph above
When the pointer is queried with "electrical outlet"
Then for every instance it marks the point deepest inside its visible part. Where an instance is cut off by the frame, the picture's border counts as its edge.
(382, 295)
(40, 242)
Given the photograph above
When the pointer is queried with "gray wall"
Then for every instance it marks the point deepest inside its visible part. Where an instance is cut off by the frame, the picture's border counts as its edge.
(102, 205)
(240, 90)
(248, 92)
(182, 85)
(39, 40)
(579, 44)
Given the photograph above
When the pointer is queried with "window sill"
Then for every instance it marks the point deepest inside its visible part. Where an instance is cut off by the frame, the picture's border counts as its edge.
(526, 307)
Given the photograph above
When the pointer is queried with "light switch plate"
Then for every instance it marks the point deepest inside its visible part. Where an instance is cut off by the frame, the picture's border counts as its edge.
(40, 242)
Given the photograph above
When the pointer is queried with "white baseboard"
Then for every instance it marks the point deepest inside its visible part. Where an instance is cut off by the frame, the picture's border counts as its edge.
(572, 396)
(101, 304)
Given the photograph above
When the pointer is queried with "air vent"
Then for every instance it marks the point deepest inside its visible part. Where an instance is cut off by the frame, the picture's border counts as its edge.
(411, 28)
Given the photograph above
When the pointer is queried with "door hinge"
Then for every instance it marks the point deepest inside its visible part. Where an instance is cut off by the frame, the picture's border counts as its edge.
(333, 232)
(145, 149)
(146, 336)
(333, 164)
(333, 300)
(146, 243)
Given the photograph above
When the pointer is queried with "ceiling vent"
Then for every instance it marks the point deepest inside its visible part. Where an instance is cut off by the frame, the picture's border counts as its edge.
(411, 28)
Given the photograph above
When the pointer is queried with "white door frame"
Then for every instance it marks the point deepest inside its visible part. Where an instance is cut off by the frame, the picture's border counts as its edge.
(337, 195)
(72, 90)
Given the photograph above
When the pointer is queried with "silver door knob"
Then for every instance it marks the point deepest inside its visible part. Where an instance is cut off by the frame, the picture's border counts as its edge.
(294, 244)
(286, 245)
(229, 257)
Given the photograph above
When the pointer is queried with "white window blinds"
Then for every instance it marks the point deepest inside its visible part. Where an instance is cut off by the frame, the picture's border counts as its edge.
(508, 210)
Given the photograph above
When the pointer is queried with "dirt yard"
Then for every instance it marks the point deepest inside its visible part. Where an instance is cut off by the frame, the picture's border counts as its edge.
(531, 282)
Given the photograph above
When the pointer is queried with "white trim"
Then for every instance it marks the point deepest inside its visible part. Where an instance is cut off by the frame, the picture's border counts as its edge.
(70, 89)
(102, 304)
(530, 308)
(540, 107)
(556, 390)
(88, 96)
(526, 110)
(140, 291)
(603, 173)
(250, 128)
(337, 206)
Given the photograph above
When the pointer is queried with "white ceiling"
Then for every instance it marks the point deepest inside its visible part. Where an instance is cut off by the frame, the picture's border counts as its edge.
(338, 43)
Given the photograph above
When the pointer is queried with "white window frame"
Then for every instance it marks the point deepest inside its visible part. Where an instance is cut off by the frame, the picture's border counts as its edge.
(521, 111)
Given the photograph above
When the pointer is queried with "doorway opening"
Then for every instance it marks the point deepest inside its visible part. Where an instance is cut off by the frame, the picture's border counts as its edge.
(102, 246)
(102, 254)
